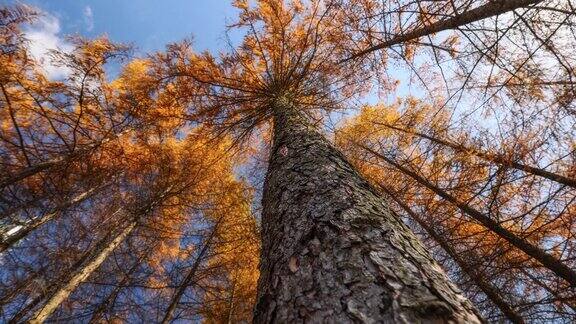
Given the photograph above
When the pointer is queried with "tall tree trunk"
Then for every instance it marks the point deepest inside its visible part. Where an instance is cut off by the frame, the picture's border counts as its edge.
(102, 251)
(54, 285)
(58, 161)
(18, 232)
(494, 158)
(29, 171)
(489, 290)
(18, 288)
(108, 303)
(190, 276)
(332, 251)
(569, 301)
(231, 303)
(17, 318)
(490, 9)
(547, 260)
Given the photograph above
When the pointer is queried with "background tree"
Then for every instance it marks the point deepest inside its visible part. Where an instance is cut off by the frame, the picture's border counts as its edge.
(479, 162)
(404, 165)
(84, 191)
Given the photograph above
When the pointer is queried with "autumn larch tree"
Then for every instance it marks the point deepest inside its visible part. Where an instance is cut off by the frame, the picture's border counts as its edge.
(320, 260)
(332, 248)
(81, 170)
(426, 174)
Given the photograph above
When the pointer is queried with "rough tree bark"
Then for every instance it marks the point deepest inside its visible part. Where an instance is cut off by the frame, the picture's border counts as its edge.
(468, 269)
(332, 251)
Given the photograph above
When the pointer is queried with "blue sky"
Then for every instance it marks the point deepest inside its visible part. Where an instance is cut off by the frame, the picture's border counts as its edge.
(146, 24)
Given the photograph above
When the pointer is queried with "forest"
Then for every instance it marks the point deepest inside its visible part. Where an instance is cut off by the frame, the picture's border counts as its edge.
(335, 161)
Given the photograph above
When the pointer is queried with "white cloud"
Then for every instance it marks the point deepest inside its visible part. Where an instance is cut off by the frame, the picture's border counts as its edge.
(88, 18)
(44, 36)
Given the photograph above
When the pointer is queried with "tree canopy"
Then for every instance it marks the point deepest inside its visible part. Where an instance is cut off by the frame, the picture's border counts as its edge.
(136, 196)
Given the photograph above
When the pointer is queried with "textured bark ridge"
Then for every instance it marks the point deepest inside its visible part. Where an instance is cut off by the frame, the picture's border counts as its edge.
(332, 250)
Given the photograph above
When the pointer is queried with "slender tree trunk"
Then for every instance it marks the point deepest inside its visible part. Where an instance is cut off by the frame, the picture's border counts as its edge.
(17, 318)
(102, 252)
(13, 207)
(109, 301)
(18, 232)
(490, 9)
(17, 289)
(547, 260)
(569, 301)
(332, 251)
(57, 292)
(489, 290)
(189, 276)
(29, 171)
(494, 158)
(231, 304)
(53, 285)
